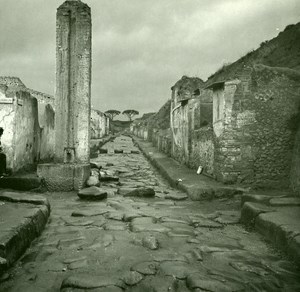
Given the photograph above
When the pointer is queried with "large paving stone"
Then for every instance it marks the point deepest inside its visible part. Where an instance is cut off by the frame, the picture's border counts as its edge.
(145, 268)
(131, 278)
(89, 213)
(176, 197)
(92, 193)
(141, 192)
(147, 224)
(179, 270)
(83, 281)
(287, 201)
(205, 283)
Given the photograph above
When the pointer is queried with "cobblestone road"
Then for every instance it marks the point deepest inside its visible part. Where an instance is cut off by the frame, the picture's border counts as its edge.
(165, 243)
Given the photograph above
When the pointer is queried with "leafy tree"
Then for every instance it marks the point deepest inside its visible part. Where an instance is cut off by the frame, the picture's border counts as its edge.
(130, 113)
(112, 113)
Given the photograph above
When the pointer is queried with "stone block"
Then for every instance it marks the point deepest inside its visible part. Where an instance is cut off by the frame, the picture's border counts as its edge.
(64, 177)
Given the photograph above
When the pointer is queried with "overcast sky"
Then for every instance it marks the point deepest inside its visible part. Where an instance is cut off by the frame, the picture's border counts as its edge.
(140, 47)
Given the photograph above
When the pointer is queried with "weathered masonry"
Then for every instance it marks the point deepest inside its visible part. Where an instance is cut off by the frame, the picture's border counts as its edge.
(27, 117)
(243, 124)
(72, 99)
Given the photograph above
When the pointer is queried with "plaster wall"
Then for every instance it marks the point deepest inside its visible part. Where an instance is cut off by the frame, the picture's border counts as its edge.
(26, 131)
(46, 116)
(7, 117)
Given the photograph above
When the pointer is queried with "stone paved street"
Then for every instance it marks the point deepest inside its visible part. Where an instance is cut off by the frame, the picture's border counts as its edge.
(132, 241)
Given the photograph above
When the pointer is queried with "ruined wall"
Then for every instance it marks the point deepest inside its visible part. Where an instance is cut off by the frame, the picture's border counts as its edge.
(7, 116)
(28, 125)
(26, 131)
(202, 152)
(295, 169)
(185, 99)
(99, 124)
(254, 142)
(46, 117)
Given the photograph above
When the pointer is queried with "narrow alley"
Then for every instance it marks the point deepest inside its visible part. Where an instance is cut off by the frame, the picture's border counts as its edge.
(146, 236)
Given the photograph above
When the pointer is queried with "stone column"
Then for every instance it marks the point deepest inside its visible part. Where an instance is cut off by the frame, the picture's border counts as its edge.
(72, 98)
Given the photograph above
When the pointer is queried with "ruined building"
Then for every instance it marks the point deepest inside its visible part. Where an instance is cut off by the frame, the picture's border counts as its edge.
(242, 124)
(28, 119)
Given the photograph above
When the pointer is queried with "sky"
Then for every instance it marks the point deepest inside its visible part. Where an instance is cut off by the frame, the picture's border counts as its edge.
(140, 48)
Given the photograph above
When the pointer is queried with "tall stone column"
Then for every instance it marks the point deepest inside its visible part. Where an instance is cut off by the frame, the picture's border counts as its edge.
(72, 98)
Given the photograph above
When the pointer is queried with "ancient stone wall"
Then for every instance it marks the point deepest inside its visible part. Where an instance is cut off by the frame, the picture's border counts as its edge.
(202, 151)
(47, 132)
(184, 102)
(99, 124)
(26, 131)
(295, 170)
(7, 117)
(28, 125)
(254, 141)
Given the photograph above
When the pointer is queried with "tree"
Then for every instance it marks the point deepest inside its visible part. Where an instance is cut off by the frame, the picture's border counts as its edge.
(130, 113)
(112, 113)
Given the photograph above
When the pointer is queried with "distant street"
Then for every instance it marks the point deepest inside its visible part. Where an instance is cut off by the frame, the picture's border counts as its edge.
(137, 243)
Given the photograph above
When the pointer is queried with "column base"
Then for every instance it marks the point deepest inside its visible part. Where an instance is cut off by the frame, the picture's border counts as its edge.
(63, 177)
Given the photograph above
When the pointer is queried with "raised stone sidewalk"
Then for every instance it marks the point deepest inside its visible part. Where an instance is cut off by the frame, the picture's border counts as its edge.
(23, 217)
(276, 216)
(198, 187)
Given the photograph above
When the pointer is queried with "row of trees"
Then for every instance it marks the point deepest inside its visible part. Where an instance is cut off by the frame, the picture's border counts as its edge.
(130, 113)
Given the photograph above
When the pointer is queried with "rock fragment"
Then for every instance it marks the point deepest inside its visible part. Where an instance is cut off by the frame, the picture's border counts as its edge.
(92, 193)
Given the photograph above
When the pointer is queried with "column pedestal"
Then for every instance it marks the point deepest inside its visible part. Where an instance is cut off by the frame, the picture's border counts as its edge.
(64, 177)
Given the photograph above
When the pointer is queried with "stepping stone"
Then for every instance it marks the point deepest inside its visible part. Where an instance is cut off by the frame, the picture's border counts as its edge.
(92, 193)
(141, 192)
